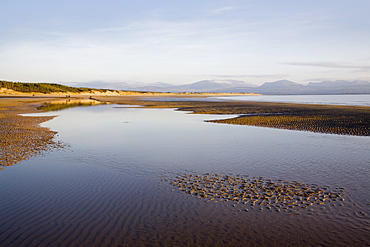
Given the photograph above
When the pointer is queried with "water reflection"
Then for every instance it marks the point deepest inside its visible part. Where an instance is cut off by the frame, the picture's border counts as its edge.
(347, 99)
(68, 103)
(106, 190)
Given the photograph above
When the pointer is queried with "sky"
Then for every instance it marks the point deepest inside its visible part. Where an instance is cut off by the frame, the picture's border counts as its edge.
(183, 41)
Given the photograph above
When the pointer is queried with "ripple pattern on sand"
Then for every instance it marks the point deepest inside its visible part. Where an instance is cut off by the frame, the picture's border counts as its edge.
(104, 190)
(268, 194)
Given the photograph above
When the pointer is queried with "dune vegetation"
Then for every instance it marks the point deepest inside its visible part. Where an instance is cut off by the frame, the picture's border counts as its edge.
(52, 88)
(43, 87)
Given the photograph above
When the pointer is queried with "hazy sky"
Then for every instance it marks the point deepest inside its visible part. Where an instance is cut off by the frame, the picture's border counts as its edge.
(184, 41)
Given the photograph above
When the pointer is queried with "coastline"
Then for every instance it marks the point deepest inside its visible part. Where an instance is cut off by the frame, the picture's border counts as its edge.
(4, 92)
(319, 118)
(22, 137)
(113, 180)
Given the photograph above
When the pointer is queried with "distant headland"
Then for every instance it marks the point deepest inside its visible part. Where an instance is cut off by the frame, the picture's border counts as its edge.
(27, 88)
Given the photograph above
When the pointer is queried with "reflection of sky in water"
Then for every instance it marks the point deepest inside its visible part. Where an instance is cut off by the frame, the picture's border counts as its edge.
(157, 137)
(348, 99)
(109, 126)
(107, 182)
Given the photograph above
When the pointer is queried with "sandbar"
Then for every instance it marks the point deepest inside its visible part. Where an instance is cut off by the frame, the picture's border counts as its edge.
(330, 119)
(22, 137)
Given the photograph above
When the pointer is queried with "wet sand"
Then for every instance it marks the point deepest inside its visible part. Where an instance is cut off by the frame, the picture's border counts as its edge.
(84, 206)
(279, 195)
(22, 137)
(331, 119)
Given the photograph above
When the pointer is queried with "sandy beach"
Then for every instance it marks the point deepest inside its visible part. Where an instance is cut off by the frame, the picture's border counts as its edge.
(162, 177)
(331, 119)
(22, 137)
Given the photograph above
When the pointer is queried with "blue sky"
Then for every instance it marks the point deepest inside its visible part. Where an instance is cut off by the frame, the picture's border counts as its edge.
(182, 42)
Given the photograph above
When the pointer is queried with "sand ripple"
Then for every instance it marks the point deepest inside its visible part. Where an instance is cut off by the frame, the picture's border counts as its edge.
(269, 194)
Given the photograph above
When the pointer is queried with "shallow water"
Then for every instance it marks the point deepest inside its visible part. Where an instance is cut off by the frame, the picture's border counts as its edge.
(346, 99)
(106, 189)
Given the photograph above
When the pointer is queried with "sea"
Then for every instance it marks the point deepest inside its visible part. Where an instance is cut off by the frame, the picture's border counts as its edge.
(112, 184)
(345, 99)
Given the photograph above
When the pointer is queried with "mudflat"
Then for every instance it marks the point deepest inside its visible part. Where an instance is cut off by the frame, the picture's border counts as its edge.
(331, 119)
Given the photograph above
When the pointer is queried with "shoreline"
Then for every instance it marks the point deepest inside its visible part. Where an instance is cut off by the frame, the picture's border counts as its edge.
(319, 118)
(22, 137)
(9, 93)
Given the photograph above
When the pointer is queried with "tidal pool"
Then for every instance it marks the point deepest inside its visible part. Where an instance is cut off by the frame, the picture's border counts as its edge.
(112, 186)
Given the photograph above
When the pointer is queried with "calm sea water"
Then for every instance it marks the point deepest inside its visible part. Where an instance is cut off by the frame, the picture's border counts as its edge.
(106, 189)
(347, 99)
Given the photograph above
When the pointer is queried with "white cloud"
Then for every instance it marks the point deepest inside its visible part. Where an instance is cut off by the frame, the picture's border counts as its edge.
(228, 42)
(222, 10)
(334, 65)
(252, 76)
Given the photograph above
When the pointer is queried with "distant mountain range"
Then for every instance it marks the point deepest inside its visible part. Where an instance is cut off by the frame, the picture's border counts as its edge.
(205, 86)
(276, 87)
